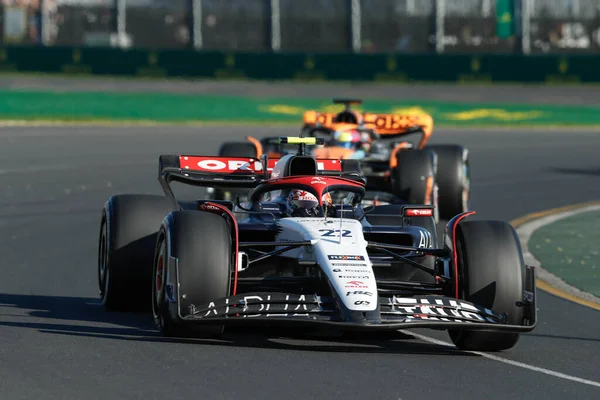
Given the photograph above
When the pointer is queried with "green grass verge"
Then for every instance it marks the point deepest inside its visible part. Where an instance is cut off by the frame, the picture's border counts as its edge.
(568, 248)
(183, 108)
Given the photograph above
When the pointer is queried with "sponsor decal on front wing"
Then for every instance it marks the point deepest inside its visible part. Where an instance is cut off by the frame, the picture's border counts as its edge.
(440, 309)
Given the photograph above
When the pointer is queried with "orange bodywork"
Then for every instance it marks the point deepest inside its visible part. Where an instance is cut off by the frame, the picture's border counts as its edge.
(338, 153)
(393, 159)
(271, 155)
(428, 190)
(383, 124)
(256, 143)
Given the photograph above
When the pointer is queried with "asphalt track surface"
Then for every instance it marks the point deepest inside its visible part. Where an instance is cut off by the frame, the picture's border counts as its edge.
(57, 343)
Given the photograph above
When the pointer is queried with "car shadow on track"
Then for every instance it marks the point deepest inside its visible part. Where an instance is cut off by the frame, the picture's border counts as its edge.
(576, 171)
(84, 317)
(546, 336)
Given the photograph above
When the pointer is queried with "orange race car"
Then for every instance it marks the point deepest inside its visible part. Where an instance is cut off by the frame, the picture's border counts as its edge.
(397, 171)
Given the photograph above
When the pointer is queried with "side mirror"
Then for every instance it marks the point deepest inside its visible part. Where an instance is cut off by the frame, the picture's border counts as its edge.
(238, 204)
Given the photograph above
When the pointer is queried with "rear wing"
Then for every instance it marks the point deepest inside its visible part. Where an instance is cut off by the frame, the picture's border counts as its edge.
(386, 125)
(235, 172)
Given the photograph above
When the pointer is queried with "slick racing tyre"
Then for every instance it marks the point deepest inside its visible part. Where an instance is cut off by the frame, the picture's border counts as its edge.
(126, 249)
(234, 149)
(492, 275)
(414, 178)
(201, 243)
(453, 179)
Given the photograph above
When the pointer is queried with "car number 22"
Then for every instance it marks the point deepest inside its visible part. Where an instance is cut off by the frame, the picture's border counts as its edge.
(335, 232)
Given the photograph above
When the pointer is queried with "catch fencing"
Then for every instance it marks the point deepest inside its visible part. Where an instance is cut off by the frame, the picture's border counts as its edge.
(315, 26)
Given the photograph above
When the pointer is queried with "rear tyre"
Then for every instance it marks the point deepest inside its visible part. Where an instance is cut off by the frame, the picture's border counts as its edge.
(201, 243)
(491, 274)
(128, 233)
(414, 178)
(453, 179)
(234, 149)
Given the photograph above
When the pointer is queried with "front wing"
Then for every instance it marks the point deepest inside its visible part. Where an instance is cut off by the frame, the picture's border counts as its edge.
(429, 311)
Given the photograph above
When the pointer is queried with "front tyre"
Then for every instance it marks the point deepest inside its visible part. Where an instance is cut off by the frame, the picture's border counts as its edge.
(492, 275)
(201, 243)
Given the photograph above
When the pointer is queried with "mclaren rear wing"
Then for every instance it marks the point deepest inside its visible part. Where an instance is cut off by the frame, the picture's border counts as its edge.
(385, 125)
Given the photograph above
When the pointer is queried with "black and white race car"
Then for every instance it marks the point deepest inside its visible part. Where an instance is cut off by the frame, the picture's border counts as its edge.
(304, 250)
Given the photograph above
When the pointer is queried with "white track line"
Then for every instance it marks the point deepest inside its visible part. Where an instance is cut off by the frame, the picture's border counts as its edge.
(507, 361)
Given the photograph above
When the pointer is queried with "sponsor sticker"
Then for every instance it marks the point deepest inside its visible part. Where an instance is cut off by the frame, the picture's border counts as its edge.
(359, 293)
(351, 270)
(425, 240)
(349, 265)
(419, 212)
(355, 285)
(346, 257)
(221, 164)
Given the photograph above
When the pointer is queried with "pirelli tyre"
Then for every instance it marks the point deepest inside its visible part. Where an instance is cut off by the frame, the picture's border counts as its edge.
(233, 149)
(202, 245)
(453, 179)
(413, 180)
(491, 274)
(128, 232)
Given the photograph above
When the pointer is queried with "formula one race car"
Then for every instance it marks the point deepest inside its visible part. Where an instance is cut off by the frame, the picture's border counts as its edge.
(396, 171)
(303, 250)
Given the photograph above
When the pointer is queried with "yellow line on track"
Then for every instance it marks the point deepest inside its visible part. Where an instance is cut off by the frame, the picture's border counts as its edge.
(545, 286)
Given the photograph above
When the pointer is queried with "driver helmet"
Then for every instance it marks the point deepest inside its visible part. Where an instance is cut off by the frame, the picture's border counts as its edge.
(347, 139)
(305, 204)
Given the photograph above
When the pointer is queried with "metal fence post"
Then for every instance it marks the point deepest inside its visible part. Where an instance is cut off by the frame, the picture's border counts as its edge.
(575, 8)
(440, 11)
(355, 14)
(526, 11)
(410, 7)
(275, 25)
(486, 8)
(121, 22)
(45, 22)
(197, 23)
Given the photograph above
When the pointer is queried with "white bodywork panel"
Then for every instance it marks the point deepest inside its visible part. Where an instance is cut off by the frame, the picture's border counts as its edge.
(341, 251)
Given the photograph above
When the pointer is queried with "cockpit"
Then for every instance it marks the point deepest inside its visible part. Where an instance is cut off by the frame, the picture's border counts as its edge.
(307, 197)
